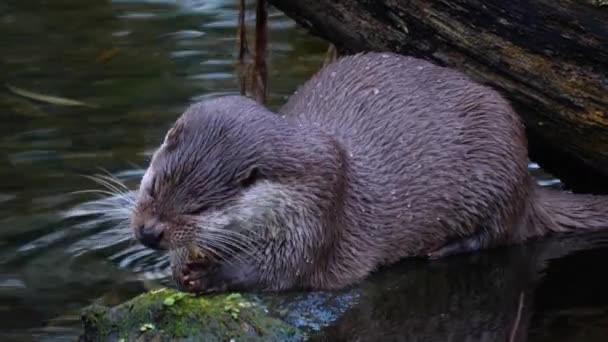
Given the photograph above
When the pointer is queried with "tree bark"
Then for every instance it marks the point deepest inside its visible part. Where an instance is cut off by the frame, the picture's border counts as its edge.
(548, 57)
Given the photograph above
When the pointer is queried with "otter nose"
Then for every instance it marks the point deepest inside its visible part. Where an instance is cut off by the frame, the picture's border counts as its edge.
(151, 234)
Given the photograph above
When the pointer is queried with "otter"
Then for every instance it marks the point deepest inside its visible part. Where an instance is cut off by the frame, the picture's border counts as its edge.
(377, 158)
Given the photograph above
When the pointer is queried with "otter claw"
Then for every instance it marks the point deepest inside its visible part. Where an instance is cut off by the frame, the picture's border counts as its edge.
(205, 277)
(194, 277)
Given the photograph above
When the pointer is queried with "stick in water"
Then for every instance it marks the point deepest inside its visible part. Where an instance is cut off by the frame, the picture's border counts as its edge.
(261, 42)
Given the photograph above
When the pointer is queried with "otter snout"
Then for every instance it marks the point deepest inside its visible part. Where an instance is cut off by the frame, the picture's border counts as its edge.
(151, 234)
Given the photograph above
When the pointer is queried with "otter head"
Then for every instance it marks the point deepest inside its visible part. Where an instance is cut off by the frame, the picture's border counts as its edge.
(240, 192)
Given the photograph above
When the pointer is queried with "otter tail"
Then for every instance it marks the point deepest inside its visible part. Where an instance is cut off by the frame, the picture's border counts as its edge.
(560, 211)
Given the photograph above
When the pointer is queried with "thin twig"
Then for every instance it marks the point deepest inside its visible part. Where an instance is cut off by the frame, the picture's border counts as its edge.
(261, 42)
(243, 48)
(520, 307)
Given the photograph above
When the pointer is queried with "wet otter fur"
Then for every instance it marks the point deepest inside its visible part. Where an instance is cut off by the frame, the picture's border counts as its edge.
(376, 158)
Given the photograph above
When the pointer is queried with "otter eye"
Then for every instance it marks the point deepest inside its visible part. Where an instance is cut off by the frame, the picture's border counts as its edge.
(252, 176)
(199, 210)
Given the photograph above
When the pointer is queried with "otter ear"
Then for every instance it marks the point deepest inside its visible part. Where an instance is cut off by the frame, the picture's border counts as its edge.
(250, 176)
(174, 134)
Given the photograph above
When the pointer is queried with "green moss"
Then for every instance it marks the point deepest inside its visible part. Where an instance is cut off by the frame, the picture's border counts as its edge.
(165, 315)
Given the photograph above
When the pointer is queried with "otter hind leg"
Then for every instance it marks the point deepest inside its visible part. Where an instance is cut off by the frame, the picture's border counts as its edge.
(467, 244)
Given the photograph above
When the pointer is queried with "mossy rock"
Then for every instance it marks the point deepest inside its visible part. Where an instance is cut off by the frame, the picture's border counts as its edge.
(168, 315)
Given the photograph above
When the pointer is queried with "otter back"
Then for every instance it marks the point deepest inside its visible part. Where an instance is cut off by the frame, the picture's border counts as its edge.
(437, 159)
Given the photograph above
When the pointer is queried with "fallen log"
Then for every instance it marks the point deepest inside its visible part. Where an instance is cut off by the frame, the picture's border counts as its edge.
(549, 57)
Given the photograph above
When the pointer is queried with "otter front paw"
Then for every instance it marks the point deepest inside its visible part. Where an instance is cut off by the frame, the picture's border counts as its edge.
(201, 278)
(204, 277)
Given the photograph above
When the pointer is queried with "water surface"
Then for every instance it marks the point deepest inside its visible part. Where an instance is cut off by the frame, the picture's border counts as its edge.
(138, 64)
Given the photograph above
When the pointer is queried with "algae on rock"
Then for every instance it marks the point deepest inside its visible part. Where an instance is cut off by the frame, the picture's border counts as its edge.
(169, 315)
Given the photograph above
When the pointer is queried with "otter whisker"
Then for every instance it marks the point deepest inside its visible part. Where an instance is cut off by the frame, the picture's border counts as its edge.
(130, 199)
(111, 208)
(241, 239)
(103, 192)
(101, 181)
(119, 196)
(111, 215)
(214, 253)
(233, 246)
(109, 184)
(224, 250)
(223, 243)
(245, 246)
(236, 234)
(206, 251)
(103, 207)
(113, 179)
(215, 248)
(93, 191)
(99, 191)
(116, 201)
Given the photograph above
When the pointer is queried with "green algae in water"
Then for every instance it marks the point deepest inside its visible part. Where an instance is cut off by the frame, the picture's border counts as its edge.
(169, 315)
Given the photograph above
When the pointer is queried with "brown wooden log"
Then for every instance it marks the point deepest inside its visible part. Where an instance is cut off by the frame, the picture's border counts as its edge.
(549, 57)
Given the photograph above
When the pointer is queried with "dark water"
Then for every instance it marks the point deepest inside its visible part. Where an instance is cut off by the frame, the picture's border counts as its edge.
(139, 64)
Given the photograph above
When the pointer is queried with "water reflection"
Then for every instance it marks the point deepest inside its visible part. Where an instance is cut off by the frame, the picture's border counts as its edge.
(492, 296)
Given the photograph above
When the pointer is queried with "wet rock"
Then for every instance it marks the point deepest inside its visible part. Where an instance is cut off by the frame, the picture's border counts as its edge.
(168, 315)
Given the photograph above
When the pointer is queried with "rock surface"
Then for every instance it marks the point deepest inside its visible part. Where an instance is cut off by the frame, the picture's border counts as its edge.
(168, 315)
